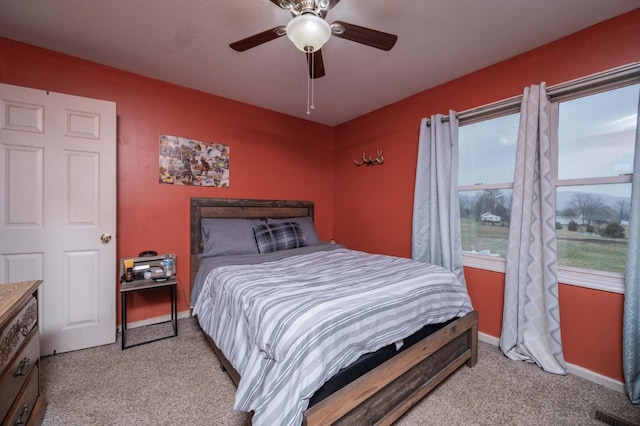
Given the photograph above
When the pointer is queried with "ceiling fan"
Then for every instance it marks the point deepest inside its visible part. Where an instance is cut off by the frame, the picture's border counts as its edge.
(308, 30)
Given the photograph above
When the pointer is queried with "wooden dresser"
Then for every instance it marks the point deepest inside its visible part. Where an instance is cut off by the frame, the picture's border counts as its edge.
(21, 402)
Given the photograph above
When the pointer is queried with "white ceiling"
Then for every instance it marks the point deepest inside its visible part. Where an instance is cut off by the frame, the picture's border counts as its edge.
(186, 42)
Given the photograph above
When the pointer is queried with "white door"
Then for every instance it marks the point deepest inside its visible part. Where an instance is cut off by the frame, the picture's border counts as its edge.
(57, 200)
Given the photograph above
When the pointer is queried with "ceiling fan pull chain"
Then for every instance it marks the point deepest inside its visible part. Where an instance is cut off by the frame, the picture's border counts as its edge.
(308, 95)
(310, 76)
(313, 76)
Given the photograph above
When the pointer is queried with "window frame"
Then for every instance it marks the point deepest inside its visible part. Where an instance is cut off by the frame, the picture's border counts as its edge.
(596, 83)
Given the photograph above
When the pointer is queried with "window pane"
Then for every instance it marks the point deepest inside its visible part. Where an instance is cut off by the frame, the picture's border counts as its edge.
(592, 226)
(484, 219)
(596, 134)
(488, 150)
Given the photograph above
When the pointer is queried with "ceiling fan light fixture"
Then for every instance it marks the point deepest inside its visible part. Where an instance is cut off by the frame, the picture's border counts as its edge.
(308, 32)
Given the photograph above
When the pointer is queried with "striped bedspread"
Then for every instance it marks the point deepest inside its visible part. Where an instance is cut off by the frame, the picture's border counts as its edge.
(289, 325)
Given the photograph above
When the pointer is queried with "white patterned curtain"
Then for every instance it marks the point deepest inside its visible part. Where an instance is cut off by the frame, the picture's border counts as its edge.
(531, 320)
(436, 213)
(631, 325)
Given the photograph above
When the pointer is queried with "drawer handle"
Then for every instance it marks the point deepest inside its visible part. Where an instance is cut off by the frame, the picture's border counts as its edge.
(24, 411)
(23, 367)
(25, 330)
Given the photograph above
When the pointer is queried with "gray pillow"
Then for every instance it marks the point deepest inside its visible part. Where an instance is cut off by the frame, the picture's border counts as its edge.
(306, 225)
(228, 236)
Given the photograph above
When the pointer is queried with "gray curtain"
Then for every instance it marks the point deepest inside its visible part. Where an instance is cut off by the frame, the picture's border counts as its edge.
(531, 320)
(631, 325)
(436, 213)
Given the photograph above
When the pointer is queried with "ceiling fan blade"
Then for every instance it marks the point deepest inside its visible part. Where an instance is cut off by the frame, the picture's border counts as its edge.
(258, 39)
(316, 64)
(373, 38)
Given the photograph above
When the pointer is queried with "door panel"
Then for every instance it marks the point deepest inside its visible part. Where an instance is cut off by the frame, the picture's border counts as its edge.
(58, 196)
(19, 266)
(81, 281)
(22, 116)
(82, 188)
(23, 173)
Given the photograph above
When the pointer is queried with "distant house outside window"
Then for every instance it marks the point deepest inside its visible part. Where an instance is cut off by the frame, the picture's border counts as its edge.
(488, 217)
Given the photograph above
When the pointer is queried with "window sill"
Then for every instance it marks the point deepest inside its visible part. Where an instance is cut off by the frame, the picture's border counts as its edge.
(480, 261)
(596, 280)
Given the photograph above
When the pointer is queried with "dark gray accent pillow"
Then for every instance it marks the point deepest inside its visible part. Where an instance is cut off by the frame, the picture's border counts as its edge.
(306, 225)
(228, 236)
(272, 237)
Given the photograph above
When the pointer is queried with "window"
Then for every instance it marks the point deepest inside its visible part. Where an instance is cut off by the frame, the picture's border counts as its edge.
(487, 151)
(593, 137)
(595, 145)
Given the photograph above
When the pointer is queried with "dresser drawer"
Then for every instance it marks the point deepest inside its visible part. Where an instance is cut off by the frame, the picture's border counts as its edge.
(16, 331)
(20, 399)
(16, 374)
(23, 406)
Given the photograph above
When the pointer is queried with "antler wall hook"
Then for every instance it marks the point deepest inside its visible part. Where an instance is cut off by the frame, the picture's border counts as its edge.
(370, 161)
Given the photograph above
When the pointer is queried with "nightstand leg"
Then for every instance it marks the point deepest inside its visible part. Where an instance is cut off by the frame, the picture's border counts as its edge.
(174, 309)
(123, 303)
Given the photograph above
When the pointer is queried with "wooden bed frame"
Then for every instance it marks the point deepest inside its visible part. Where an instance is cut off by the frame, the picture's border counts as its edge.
(383, 394)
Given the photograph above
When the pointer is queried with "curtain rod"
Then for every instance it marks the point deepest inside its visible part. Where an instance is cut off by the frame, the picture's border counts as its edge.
(619, 75)
(486, 111)
(442, 120)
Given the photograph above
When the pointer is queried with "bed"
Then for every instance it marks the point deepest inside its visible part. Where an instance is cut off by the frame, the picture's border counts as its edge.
(374, 388)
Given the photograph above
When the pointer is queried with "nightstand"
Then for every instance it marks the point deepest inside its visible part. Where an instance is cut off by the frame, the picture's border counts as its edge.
(143, 285)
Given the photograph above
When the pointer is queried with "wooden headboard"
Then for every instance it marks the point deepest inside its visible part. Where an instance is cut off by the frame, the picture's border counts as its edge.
(238, 208)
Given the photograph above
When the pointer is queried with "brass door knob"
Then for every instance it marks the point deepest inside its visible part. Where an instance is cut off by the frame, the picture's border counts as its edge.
(105, 238)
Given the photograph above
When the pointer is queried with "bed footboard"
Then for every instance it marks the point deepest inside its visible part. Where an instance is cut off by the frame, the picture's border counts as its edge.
(381, 396)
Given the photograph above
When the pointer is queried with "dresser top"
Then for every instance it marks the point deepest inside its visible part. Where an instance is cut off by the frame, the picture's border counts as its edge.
(12, 294)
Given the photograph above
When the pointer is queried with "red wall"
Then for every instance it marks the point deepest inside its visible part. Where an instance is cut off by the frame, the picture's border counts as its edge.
(373, 205)
(271, 155)
(276, 156)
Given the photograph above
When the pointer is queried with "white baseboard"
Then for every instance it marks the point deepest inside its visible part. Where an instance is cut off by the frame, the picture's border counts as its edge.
(574, 369)
(605, 381)
(487, 338)
(151, 321)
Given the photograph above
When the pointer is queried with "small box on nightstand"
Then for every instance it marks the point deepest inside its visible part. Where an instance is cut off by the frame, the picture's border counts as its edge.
(147, 267)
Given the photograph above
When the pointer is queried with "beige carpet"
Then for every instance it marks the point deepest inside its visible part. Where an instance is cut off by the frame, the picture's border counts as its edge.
(178, 381)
